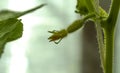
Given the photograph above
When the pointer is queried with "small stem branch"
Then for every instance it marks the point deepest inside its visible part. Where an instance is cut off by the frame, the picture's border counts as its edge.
(29, 11)
(100, 43)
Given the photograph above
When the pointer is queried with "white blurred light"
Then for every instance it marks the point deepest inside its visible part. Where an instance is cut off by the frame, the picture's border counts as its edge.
(18, 61)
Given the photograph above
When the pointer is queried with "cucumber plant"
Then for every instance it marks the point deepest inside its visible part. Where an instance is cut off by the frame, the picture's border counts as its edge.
(105, 25)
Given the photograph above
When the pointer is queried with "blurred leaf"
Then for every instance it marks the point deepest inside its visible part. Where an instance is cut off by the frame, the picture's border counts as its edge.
(81, 7)
(6, 14)
(10, 29)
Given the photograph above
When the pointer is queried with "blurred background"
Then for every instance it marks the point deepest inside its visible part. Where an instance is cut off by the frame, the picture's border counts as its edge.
(33, 53)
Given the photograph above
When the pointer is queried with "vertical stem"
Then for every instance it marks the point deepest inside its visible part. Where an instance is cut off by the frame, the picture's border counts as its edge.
(109, 27)
(109, 42)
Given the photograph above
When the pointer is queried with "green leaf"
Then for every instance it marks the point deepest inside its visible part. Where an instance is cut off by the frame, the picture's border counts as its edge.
(81, 7)
(6, 14)
(87, 6)
(10, 29)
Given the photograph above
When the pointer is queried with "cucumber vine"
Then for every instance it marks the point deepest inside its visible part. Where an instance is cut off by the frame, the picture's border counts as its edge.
(105, 24)
(11, 27)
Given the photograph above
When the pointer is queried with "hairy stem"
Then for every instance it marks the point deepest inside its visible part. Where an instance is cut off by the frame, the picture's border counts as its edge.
(109, 27)
(109, 42)
(100, 43)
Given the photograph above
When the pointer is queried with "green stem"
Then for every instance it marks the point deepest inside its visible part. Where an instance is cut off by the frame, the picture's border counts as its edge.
(100, 43)
(30, 10)
(114, 12)
(109, 27)
(109, 42)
